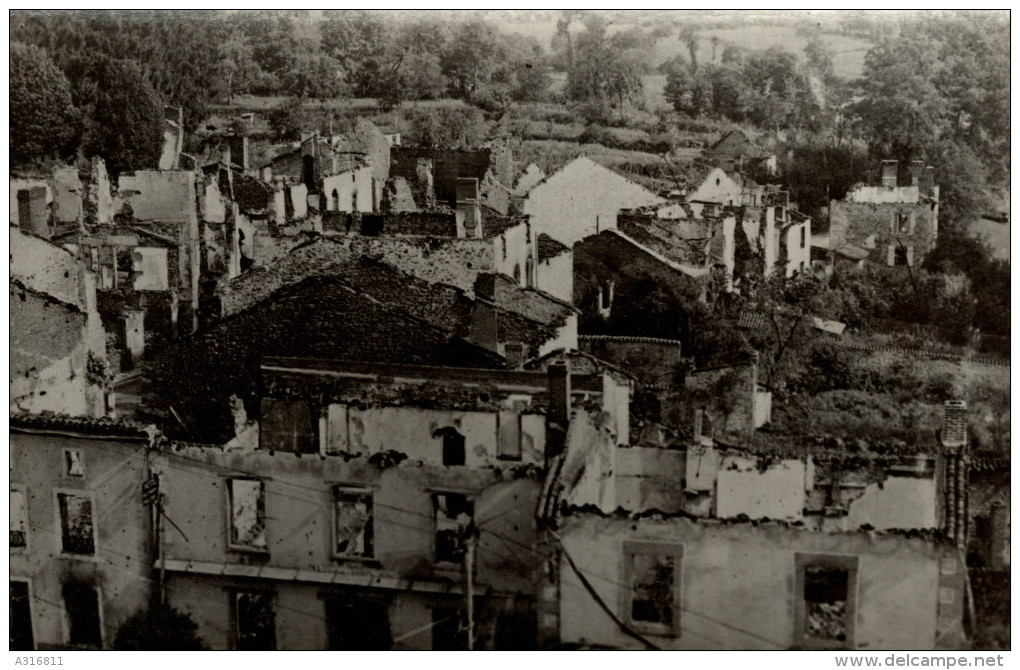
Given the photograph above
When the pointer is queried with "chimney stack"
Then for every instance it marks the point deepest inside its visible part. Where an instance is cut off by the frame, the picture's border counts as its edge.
(954, 425)
(558, 413)
(469, 215)
(956, 484)
(889, 179)
(483, 312)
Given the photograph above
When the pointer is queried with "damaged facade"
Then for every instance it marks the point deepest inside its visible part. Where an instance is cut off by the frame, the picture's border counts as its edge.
(751, 550)
(894, 224)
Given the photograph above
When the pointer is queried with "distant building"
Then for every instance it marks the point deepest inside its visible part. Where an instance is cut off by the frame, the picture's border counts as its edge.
(736, 152)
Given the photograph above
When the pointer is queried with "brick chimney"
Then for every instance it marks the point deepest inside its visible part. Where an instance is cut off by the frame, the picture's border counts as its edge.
(483, 312)
(956, 482)
(469, 214)
(889, 179)
(954, 425)
(558, 413)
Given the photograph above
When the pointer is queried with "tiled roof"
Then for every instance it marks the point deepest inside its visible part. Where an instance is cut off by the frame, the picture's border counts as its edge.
(549, 247)
(102, 427)
(750, 320)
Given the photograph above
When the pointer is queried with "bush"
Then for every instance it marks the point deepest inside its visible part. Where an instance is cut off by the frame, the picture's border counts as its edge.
(159, 628)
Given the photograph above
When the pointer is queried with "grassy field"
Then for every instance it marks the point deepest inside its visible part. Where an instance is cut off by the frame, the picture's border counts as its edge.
(848, 52)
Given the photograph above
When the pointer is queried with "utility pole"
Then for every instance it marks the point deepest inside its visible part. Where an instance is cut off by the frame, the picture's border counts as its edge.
(470, 538)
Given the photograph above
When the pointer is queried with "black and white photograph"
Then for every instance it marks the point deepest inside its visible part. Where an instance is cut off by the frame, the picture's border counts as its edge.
(510, 330)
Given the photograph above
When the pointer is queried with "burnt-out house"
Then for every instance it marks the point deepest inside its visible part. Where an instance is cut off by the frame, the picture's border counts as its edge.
(896, 222)
(81, 543)
(330, 175)
(701, 234)
(433, 174)
(354, 309)
(372, 506)
(145, 249)
(696, 545)
(614, 265)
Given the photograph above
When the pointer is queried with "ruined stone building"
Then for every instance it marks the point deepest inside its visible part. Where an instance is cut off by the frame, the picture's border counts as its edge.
(358, 507)
(893, 224)
(81, 548)
(753, 549)
(432, 175)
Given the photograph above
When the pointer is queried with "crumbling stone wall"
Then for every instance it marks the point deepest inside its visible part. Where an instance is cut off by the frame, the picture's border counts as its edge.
(48, 354)
(45, 267)
(728, 392)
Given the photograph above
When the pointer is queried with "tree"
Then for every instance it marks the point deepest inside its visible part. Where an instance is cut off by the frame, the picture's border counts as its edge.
(286, 121)
(315, 76)
(158, 628)
(44, 121)
(902, 110)
(819, 57)
(689, 36)
(602, 76)
(124, 113)
(448, 127)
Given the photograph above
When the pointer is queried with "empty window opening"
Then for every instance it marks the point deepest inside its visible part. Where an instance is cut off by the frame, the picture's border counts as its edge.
(358, 624)
(247, 514)
(354, 202)
(22, 638)
(74, 463)
(825, 601)
(288, 425)
(803, 237)
(308, 172)
(653, 577)
(453, 515)
(900, 256)
(529, 272)
(334, 201)
(453, 445)
(903, 223)
(255, 621)
(353, 523)
(517, 273)
(77, 535)
(18, 519)
(81, 603)
(652, 590)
